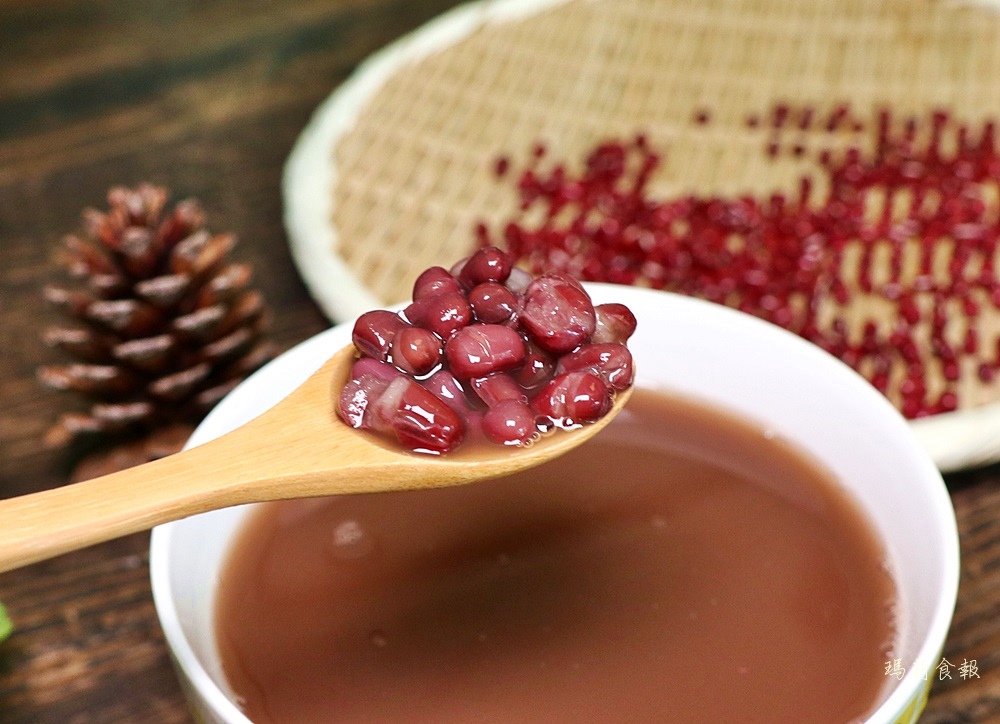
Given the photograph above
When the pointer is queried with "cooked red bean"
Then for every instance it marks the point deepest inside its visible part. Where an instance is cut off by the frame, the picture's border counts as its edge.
(369, 380)
(486, 351)
(511, 422)
(615, 323)
(373, 333)
(557, 313)
(573, 398)
(355, 397)
(378, 369)
(416, 350)
(418, 419)
(518, 280)
(537, 368)
(492, 302)
(444, 385)
(610, 361)
(433, 281)
(482, 349)
(496, 388)
(489, 264)
(424, 422)
(382, 403)
(442, 314)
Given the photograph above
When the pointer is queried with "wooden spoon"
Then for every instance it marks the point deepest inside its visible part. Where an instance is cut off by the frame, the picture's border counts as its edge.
(297, 449)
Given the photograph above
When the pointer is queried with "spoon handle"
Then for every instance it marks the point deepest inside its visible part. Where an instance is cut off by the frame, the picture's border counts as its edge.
(261, 460)
(293, 450)
(268, 458)
(44, 524)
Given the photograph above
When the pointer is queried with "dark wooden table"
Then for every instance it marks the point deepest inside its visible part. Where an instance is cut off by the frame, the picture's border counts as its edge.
(207, 99)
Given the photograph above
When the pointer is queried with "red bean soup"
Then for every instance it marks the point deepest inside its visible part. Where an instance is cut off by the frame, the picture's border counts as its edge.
(682, 566)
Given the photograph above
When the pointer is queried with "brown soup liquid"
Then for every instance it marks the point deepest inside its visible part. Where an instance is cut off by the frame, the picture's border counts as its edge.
(684, 566)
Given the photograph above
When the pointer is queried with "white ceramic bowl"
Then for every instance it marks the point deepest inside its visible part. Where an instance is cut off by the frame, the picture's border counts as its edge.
(696, 348)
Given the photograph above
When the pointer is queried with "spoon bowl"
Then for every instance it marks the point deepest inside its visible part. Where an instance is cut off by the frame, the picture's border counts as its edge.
(299, 448)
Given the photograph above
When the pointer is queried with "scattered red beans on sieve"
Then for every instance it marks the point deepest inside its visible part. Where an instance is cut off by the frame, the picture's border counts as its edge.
(885, 256)
(486, 350)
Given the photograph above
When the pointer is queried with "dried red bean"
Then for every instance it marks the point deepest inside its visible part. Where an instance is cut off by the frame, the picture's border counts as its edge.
(783, 256)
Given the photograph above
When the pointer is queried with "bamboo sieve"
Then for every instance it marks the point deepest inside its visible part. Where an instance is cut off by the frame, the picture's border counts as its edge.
(397, 167)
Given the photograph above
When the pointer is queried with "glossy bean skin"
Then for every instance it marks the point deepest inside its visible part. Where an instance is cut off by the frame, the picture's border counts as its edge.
(482, 349)
(433, 281)
(486, 351)
(537, 368)
(416, 351)
(496, 388)
(374, 331)
(557, 313)
(511, 422)
(614, 323)
(422, 422)
(492, 302)
(444, 314)
(611, 361)
(573, 398)
(489, 264)
(444, 385)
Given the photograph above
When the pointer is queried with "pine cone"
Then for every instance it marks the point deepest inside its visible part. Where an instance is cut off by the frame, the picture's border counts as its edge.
(163, 325)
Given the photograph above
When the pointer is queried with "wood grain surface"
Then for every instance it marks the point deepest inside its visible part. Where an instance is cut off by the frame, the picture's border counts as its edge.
(207, 99)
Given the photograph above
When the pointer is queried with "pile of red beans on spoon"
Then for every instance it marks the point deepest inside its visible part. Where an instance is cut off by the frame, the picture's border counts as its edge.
(487, 351)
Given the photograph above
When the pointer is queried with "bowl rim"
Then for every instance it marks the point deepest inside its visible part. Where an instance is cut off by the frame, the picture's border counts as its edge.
(893, 707)
(181, 651)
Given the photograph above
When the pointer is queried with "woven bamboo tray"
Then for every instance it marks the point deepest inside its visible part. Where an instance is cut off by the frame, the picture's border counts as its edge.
(398, 166)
